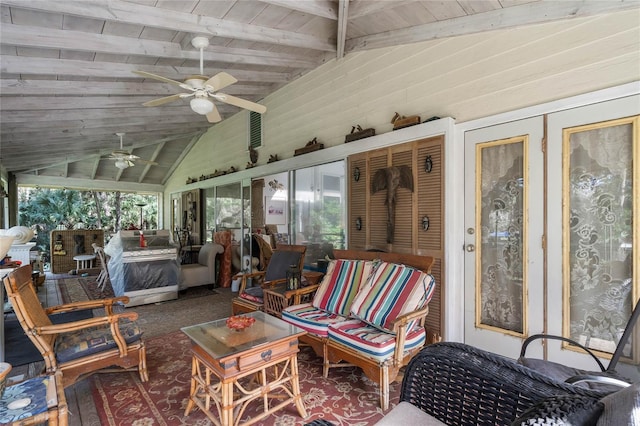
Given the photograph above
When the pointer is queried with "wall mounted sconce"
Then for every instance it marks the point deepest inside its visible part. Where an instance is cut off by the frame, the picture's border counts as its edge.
(356, 174)
(425, 223)
(359, 223)
(428, 164)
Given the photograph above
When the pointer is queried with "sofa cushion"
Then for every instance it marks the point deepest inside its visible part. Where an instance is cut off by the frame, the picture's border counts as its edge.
(92, 340)
(562, 410)
(406, 413)
(621, 407)
(314, 320)
(340, 285)
(254, 294)
(392, 290)
(375, 343)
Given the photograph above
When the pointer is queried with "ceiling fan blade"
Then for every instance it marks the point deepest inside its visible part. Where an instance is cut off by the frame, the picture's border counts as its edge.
(220, 81)
(164, 100)
(242, 103)
(214, 116)
(141, 161)
(158, 77)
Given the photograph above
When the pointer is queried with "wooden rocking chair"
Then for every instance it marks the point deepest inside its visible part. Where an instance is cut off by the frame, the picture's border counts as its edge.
(78, 348)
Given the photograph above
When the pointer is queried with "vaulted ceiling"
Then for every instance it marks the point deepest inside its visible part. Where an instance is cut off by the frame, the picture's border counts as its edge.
(67, 84)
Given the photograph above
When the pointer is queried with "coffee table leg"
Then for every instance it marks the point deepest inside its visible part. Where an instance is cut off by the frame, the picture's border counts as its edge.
(295, 385)
(194, 386)
(226, 416)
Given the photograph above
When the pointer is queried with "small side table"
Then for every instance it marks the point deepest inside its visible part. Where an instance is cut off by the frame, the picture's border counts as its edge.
(48, 402)
(84, 261)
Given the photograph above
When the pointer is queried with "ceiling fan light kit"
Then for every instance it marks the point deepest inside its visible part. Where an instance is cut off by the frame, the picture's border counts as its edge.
(122, 164)
(201, 106)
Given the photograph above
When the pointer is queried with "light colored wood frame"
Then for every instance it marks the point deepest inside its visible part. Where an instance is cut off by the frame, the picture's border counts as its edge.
(634, 121)
(36, 324)
(525, 234)
(335, 354)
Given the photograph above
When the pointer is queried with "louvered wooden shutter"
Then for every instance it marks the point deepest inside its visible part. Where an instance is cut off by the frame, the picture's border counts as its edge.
(255, 129)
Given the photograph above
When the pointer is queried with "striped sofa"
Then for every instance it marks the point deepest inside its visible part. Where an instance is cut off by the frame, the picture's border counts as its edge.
(368, 311)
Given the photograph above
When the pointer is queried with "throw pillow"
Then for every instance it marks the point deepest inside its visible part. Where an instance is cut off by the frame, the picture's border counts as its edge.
(562, 410)
(340, 285)
(392, 290)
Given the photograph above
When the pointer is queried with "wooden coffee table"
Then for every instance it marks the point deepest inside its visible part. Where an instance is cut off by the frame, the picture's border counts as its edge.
(233, 368)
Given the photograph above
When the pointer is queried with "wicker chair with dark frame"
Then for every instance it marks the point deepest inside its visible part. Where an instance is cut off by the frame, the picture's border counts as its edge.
(607, 378)
(457, 384)
(78, 348)
(251, 298)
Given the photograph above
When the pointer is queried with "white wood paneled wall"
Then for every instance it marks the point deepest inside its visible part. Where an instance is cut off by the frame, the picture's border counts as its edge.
(467, 78)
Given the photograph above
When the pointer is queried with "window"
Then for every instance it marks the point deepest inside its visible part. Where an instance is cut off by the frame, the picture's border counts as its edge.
(319, 210)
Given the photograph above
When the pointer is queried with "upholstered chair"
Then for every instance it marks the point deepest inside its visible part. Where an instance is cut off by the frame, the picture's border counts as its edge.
(203, 272)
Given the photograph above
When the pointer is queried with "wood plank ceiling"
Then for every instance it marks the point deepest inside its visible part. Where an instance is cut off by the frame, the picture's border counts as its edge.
(67, 86)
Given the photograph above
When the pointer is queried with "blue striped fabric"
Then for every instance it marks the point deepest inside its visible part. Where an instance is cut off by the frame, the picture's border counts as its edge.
(367, 339)
(392, 291)
(341, 284)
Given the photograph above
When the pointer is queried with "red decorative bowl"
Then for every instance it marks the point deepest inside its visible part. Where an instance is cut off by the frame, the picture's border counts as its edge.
(240, 322)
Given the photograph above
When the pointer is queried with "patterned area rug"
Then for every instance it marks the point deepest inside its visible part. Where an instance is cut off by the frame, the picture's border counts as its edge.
(193, 306)
(81, 289)
(346, 398)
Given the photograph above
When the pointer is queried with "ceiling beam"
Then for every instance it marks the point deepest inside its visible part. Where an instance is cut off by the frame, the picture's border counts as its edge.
(188, 118)
(156, 17)
(153, 157)
(34, 103)
(89, 145)
(112, 88)
(322, 8)
(360, 8)
(133, 112)
(343, 19)
(96, 165)
(510, 17)
(26, 36)
(24, 65)
(85, 184)
(69, 133)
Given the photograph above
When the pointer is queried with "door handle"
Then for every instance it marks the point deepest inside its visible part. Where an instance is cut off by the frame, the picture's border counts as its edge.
(470, 248)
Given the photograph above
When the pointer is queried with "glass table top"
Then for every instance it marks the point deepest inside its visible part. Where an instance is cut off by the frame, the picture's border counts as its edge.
(221, 341)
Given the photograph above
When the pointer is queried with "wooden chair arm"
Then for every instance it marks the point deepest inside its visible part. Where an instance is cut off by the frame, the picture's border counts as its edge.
(244, 276)
(400, 328)
(403, 320)
(299, 292)
(270, 284)
(86, 323)
(87, 304)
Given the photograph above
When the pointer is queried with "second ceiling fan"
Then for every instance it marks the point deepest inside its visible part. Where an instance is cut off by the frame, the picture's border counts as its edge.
(203, 89)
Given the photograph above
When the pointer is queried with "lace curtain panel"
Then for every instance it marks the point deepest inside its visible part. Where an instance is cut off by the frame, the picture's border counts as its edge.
(598, 248)
(501, 256)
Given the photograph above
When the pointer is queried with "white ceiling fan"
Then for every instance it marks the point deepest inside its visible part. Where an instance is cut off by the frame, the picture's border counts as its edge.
(203, 89)
(125, 159)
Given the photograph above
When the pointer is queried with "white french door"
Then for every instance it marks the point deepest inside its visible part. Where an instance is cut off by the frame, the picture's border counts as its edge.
(593, 204)
(585, 214)
(504, 199)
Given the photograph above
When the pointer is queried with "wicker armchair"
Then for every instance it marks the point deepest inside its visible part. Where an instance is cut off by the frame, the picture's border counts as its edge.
(77, 348)
(458, 384)
(251, 298)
